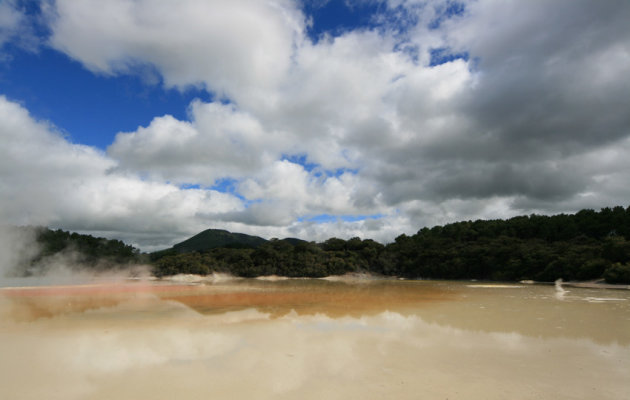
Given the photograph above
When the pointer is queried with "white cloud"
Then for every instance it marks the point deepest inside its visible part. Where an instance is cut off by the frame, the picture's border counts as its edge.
(532, 117)
(46, 180)
(309, 193)
(226, 45)
(220, 141)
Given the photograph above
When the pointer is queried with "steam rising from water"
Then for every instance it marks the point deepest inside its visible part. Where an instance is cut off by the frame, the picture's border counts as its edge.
(560, 292)
(15, 245)
(18, 246)
(311, 339)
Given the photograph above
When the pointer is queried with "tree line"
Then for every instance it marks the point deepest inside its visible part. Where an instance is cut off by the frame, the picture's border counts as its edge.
(583, 246)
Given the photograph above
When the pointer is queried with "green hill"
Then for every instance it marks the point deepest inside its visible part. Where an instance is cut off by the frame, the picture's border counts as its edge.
(294, 241)
(215, 238)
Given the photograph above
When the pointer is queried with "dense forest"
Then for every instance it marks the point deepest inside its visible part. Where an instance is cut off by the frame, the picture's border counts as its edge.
(43, 248)
(587, 245)
(584, 246)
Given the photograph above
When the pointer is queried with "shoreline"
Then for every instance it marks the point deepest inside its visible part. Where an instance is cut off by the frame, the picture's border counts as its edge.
(596, 285)
(353, 277)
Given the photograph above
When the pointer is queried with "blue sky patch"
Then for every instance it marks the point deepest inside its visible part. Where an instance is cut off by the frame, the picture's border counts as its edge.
(443, 55)
(336, 17)
(225, 185)
(355, 218)
(340, 171)
(300, 159)
(190, 186)
(53, 88)
(314, 168)
(328, 218)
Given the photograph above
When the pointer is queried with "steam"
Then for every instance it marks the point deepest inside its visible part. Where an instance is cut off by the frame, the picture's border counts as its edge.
(560, 292)
(215, 277)
(17, 246)
(19, 263)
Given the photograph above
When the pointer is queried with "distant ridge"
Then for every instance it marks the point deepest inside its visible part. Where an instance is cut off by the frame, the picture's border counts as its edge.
(293, 241)
(214, 238)
(218, 238)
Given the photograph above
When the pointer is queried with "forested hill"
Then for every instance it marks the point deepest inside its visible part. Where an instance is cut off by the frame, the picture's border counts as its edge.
(213, 238)
(583, 246)
(39, 249)
(587, 223)
(217, 238)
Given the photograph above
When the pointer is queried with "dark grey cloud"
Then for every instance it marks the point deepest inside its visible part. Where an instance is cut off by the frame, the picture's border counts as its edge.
(554, 79)
(548, 86)
(482, 181)
(258, 214)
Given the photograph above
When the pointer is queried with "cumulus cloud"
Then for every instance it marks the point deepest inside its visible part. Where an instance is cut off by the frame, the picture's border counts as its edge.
(47, 180)
(285, 192)
(220, 141)
(439, 111)
(224, 45)
(547, 82)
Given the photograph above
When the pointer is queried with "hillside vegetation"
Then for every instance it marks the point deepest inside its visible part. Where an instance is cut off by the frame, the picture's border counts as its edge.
(584, 246)
(213, 238)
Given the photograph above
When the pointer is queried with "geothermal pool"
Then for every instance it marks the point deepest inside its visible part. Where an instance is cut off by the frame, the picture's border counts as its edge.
(313, 339)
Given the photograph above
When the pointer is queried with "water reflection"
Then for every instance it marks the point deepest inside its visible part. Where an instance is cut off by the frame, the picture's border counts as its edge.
(313, 339)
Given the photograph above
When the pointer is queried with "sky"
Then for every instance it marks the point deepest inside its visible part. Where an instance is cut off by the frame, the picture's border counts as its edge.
(151, 120)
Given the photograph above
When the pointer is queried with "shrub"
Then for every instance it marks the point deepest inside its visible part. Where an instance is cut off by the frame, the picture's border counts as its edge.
(618, 273)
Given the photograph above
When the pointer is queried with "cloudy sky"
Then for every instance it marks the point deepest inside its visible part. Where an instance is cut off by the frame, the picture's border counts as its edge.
(151, 120)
